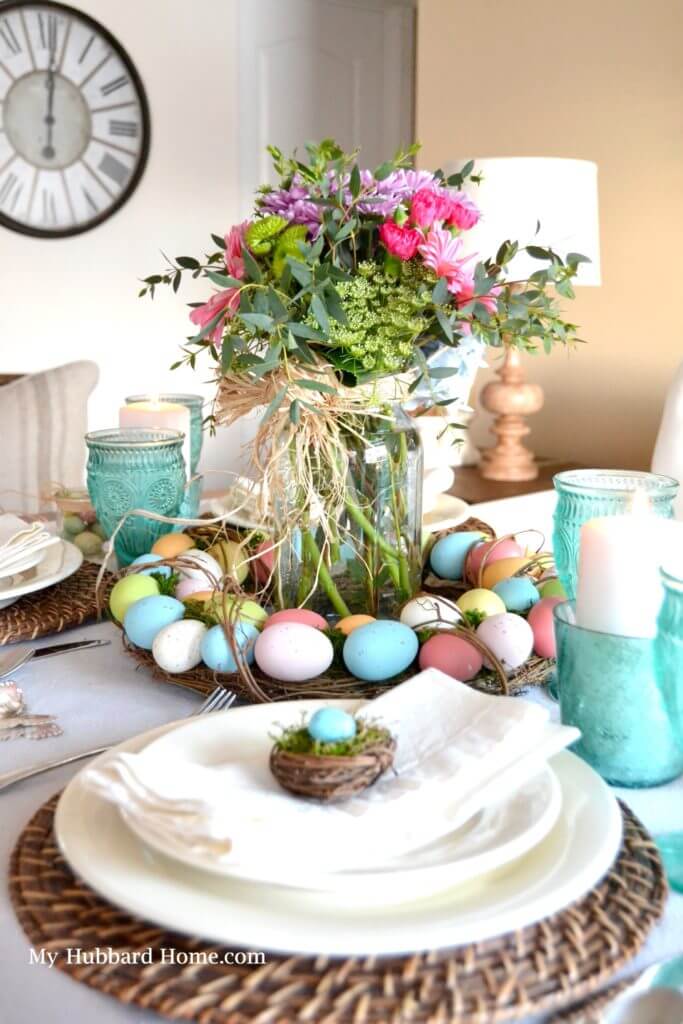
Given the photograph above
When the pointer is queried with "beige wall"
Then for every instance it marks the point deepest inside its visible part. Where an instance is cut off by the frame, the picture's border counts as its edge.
(599, 80)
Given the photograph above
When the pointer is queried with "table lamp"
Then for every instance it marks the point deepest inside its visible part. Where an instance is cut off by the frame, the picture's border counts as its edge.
(516, 193)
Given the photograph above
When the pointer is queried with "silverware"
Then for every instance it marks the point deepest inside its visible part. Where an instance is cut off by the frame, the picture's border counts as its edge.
(219, 699)
(14, 658)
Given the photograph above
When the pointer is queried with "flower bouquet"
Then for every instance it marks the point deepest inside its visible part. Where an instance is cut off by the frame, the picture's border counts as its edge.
(333, 305)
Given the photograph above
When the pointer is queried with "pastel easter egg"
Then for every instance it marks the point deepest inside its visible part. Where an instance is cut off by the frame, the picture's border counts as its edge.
(502, 569)
(293, 652)
(99, 530)
(232, 558)
(351, 622)
(217, 653)
(494, 550)
(147, 617)
(518, 594)
(541, 622)
(177, 647)
(509, 637)
(247, 611)
(149, 559)
(452, 655)
(429, 611)
(552, 588)
(331, 725)
(485, 602)
(73, 524)
(88, 542)
(200, 565)
(380, 650)
(302, 615)
(447, 557)
(127, 591)
(194, 590)
(172, 544)
(262, 565)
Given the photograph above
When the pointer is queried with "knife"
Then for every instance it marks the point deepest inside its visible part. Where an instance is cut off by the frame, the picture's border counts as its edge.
(77, 645)
(14, 657)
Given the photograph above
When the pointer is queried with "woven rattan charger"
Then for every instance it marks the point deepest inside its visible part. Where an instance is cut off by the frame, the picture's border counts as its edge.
(564, 958)
(52, 610)
(255, 687)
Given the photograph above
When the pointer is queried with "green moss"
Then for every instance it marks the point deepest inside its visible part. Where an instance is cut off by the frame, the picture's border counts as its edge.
(297, 740)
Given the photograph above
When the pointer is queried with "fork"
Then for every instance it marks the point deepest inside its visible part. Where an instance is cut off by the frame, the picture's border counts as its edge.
(220, 699)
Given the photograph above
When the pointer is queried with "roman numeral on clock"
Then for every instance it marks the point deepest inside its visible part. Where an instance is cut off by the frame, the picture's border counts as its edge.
(89, 200)
(8, 35)
(116, 83)
(7, 186)
(126, 128)
(48, 40)
(49, 207)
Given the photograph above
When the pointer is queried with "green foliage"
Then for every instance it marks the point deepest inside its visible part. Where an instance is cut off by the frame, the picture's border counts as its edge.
(298, 740)
(166, 584)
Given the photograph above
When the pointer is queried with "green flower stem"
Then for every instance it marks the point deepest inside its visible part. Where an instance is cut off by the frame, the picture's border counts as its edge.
(311, 548)
(368, 529)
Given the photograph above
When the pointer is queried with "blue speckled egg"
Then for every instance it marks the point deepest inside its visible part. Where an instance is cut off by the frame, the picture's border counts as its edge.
(517, 593)
(147, 617)
(217, 652)
(380, 650)
(447, 557)
(330, 725)
(163, 570)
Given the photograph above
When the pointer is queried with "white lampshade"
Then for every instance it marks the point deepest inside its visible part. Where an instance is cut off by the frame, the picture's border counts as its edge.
(518, 192)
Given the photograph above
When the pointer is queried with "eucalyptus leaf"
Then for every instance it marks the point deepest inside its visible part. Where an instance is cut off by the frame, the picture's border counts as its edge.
(251, 266)
(260, 321)
(320, 313)
(223, 280)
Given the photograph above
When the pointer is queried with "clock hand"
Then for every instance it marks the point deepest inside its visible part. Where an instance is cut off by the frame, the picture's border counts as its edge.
(48, 148)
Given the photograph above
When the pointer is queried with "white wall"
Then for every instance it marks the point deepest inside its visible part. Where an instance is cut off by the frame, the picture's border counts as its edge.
(76, 298)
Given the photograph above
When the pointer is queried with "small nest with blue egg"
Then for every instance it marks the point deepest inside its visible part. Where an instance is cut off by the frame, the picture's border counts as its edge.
(331, 772)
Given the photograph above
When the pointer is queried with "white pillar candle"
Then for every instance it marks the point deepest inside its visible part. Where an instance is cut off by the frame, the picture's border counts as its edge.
(619, 589)
(155, 415)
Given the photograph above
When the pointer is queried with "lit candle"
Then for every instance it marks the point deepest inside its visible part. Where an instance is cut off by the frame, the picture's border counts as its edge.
(619, 588)
(157, 415)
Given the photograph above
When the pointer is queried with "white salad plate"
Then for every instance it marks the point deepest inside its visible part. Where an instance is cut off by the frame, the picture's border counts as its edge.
(61, 560)
(505, 829)
(570, 860)
(448, 511)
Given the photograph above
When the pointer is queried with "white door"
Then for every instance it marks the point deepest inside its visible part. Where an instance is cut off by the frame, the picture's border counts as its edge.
(314, 69)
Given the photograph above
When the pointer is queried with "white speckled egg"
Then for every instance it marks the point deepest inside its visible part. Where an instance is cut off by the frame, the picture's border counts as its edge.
(509, 637)
(199, 565)
(177, 648)
(293, 652)
(427, 611)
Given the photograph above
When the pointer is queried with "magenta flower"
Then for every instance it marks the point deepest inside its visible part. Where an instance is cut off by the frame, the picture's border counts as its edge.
(462, 213)
(234, 243)
(228, 300)
(429, 205)
(463, 289)
(441, 253)
(399, 241)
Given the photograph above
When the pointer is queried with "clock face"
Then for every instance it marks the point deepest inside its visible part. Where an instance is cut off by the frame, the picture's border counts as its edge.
(74, 122)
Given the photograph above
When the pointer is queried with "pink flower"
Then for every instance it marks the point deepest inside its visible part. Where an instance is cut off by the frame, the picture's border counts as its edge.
(463, 290)
(428, 205)
(462, 213)
(228, 300)
(234, 242)
(399, 241)
(441, 253)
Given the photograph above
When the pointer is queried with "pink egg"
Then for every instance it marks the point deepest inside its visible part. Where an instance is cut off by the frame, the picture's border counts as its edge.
(540, 619)
(300, 615)
(503, 549)
(452, 655)
(186, 588)
(262, 567)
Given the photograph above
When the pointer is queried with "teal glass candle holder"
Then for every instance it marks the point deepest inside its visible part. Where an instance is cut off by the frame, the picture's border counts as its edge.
(130, 469)
(669, 668)
(608, 689)
(195, 403)
(584, 494)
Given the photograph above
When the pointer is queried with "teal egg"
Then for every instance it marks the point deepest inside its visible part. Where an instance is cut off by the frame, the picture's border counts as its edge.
(217, 652)
(447, 557)
(146, 617)
(330, 725)
(163, 570)
(380, 650)
(517, 593)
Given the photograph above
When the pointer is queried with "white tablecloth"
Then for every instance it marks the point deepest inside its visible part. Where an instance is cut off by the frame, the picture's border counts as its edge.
(101, 698)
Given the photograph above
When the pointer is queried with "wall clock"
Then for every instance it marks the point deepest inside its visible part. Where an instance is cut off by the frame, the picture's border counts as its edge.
(74, 120)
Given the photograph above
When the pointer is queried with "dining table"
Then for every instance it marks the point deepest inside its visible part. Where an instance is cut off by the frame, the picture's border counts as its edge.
(101, 696)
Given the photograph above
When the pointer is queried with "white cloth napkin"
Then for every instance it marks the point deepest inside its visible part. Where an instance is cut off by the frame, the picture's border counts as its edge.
(457, 750)
(19, 539)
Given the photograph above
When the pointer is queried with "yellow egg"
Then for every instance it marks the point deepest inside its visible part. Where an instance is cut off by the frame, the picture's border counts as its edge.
(232, 559)
(199, 595)
(351, 622)
(503, 569)
(172, 544)
(128, 590)
(480, 600)
(248, 611)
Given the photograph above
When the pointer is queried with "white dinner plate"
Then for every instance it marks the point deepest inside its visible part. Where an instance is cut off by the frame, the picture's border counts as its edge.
(61, 560)
(448, 511)
(572, 858)
(503, 831)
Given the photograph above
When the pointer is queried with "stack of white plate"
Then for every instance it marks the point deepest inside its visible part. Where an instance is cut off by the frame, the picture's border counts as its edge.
(520, 859)
(38, 569)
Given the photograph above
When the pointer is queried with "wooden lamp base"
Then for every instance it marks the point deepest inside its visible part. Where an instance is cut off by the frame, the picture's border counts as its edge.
(510, 399)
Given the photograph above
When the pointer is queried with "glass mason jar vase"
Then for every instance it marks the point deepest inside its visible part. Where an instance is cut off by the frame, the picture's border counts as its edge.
(369, 560)
(669, 649)
(584, 494)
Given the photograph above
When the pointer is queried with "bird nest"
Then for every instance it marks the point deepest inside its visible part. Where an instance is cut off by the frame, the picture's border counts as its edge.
(331, 778)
